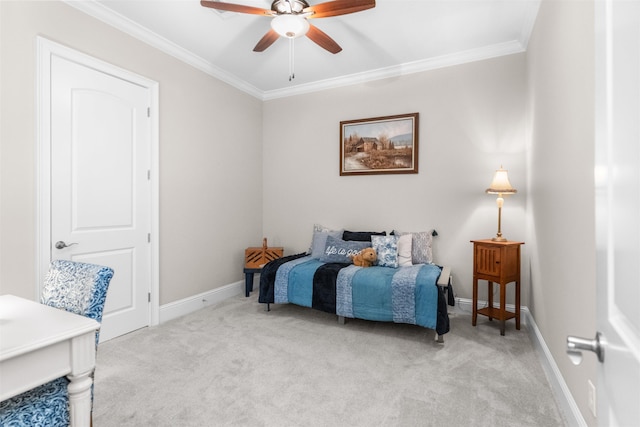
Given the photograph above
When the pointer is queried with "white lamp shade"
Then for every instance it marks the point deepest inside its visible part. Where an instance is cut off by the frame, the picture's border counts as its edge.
(500, 183)
(290, 26)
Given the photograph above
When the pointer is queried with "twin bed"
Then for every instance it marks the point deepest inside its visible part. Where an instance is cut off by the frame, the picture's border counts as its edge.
(413, 294)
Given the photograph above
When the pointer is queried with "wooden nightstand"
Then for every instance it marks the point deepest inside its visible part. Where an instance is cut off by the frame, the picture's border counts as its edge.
(497, 262)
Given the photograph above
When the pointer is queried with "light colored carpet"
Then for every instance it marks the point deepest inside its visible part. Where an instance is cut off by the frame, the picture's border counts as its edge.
(235, 364)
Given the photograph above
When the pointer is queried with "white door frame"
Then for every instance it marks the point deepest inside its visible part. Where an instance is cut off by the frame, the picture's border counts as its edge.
(617, 110)
(45, 50)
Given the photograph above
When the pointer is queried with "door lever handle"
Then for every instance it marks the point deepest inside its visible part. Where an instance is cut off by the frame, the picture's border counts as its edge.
(576, 344)
(61, 245)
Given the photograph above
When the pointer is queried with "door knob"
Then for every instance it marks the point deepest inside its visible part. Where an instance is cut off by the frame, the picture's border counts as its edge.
(576, 344)
(61, 245)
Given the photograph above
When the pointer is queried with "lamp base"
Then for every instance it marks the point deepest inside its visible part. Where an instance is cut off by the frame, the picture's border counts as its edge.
(499, 239)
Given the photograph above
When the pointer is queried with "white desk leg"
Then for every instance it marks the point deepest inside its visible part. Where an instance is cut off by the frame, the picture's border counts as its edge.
(80, 400)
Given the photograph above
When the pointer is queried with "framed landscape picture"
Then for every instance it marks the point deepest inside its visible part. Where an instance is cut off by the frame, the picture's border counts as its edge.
(379, 145)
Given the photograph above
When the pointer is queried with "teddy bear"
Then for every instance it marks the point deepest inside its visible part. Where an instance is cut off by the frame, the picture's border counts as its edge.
(365, 258)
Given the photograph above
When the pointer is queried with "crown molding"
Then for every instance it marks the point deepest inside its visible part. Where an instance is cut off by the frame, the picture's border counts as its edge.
(124, 24)
(529, 22)
(400, 70)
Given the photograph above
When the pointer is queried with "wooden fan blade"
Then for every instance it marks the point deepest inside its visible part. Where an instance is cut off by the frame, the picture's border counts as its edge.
(231, 7)
(339, 7)
(266, 41)
(322, 39)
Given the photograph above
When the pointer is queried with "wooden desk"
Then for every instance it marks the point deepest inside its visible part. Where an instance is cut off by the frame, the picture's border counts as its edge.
(38, 344)
(497, 262)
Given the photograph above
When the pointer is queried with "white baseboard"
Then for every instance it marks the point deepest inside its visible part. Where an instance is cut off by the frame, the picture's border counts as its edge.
(561, 392)
(564, 398)
(188, 305)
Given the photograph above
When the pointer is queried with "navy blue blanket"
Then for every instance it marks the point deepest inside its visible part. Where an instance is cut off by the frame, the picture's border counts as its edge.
(324, 287)
(268, 277)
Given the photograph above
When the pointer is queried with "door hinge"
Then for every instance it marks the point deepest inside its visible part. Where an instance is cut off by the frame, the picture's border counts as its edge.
(149, 174)
(148, 237)
(149, 297)
(148, 111)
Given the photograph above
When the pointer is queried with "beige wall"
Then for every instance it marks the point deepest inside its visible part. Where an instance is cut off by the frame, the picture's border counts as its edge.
(210, 142)
(472, 120)
(561, 205)
(532, 113)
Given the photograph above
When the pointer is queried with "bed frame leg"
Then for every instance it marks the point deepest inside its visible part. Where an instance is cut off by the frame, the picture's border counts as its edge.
(268, 307)
(341, 320)
(439, 338)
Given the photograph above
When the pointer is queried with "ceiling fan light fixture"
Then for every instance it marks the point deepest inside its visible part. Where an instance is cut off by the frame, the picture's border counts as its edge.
(290, 26)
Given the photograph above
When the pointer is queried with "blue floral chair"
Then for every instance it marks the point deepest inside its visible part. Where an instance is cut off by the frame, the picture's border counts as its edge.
(72, 286)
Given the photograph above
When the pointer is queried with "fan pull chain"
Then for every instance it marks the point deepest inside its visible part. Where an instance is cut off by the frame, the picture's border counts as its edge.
(292, 74)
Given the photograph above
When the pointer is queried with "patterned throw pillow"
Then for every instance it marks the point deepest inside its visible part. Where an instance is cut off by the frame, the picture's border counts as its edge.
(338, 250)
(387, 249)
(320, 227)
(421, 246)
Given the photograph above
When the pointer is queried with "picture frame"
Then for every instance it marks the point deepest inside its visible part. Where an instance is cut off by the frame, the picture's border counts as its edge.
(379, 145)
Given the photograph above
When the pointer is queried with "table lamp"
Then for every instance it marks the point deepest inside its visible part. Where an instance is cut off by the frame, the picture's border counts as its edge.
(500, 185)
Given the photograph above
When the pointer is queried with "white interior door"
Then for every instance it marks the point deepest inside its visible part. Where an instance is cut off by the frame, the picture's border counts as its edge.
(618, 210)
(100, 183)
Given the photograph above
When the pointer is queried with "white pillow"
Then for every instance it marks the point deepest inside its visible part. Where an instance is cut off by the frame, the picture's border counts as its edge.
(404, 250)
(421, 246)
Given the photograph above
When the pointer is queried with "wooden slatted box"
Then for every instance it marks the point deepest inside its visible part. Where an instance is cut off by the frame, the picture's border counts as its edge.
(258, 257)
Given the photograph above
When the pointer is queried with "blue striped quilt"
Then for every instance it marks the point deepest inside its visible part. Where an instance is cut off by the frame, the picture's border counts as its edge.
(400, 295)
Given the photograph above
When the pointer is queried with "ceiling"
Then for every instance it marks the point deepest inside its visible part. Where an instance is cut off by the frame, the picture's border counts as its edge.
(396, 37)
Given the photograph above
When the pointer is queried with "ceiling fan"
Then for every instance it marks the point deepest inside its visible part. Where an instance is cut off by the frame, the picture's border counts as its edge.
(290, 18)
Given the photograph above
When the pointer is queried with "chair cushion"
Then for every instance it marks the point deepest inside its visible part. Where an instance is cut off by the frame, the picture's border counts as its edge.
(43, 406)
(77, 287)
